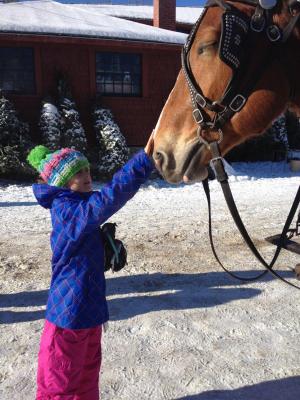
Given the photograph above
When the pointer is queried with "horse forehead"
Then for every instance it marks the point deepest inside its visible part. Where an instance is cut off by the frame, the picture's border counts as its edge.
(212, 18)
(208, 31)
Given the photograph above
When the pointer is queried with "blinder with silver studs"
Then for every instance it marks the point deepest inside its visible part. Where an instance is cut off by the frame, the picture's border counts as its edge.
(233, 41)
(235, 27)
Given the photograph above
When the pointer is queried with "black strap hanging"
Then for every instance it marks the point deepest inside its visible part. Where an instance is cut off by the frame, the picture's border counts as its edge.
(115, 254)
(222, 177)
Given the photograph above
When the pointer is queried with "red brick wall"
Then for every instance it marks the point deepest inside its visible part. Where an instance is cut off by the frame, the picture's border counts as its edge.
(75, 58)
(164, 14)
(138, 116)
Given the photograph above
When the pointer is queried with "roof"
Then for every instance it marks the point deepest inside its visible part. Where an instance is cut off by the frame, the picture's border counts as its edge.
(184, 15)
(51, 18)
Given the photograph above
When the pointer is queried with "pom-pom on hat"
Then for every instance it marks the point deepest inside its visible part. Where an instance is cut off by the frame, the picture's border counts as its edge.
(57, 168)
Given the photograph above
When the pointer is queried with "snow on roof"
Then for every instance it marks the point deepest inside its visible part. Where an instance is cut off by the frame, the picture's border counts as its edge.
(50, 17)
(185, 15)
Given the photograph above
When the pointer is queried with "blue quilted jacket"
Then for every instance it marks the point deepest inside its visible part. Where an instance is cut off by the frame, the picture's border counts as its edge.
(77, 292)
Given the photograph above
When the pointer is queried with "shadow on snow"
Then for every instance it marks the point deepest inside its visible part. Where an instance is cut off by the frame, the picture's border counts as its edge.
(149, 292)
(177, 292)
(281, 389)
(18, 203)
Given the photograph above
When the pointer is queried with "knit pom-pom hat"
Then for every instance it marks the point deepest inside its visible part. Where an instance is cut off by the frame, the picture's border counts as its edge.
(57, 168)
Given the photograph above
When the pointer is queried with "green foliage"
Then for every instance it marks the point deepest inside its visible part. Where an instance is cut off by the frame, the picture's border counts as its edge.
(12, 165)
(15, 143)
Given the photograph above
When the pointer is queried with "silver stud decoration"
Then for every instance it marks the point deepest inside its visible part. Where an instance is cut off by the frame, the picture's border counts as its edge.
(230, 23)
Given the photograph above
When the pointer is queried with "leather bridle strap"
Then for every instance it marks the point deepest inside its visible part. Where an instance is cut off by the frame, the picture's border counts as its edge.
(244, 90)
(237, 92)
(222, 177)
(224, 109)
(207, 192)
(289, 28)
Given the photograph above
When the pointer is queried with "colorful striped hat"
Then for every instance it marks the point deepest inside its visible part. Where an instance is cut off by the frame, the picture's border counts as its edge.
(57, 168)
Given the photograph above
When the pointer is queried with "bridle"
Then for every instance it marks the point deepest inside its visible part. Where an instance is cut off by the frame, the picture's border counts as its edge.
(237, 29)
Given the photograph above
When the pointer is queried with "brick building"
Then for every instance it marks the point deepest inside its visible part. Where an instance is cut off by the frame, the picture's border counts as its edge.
(128, 67)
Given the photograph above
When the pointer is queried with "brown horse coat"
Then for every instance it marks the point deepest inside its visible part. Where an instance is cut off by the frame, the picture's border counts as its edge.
(175, 145)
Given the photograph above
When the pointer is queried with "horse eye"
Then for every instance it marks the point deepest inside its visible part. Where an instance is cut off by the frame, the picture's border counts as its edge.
(203, 47)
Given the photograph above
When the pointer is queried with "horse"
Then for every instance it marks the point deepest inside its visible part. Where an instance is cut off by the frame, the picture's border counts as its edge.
(239, 73)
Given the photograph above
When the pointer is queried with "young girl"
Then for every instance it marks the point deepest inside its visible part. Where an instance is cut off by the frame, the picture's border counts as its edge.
(70, 349)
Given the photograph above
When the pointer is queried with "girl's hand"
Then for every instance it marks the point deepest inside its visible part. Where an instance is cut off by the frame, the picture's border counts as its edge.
(150, 145)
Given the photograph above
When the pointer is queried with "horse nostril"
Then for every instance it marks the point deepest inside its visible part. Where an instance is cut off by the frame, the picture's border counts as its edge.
(159, 159)
(157, 155)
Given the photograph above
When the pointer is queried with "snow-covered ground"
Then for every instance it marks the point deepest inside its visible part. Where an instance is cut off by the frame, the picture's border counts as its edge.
(180, 327)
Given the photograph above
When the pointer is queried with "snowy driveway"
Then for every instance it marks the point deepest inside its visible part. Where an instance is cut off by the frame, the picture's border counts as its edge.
(180, 328)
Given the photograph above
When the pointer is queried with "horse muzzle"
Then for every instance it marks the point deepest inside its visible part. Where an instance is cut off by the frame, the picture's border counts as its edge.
(185, 165)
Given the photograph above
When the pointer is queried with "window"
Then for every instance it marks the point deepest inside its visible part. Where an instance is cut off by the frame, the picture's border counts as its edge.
(118, 74)
(17, 70)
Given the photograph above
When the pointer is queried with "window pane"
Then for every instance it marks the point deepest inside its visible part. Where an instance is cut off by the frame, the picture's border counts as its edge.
(135, 89)
(118, 74)
(17, 73)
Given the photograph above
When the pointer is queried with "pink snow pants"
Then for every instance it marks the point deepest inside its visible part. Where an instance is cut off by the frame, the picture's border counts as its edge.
(69, 363)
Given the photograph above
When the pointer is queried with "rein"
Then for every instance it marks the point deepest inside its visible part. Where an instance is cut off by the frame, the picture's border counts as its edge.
(236, 28)
(222, 178)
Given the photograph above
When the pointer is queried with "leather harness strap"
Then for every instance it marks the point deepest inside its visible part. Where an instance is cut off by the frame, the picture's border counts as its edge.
(231, 102)
(236, 94)
(222, 177)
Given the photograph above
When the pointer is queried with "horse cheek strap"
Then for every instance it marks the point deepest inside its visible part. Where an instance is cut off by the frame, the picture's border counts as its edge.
(234, 32)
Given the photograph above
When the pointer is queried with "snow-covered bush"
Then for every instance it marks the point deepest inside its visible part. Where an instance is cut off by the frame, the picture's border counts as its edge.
(73, 132)
(13, 165)
(113, 150)
(293, 130)
(50, 126)
(270, 146)
(12, 130)
(15, 142)
(279, 131)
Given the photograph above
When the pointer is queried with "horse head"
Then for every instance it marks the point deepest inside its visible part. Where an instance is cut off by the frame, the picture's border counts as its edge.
(237, 76)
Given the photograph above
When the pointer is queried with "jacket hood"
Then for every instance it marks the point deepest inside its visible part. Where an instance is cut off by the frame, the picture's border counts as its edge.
(45, 194)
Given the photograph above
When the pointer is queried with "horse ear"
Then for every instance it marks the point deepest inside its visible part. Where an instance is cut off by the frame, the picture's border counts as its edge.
(294, 6)
(267, 4)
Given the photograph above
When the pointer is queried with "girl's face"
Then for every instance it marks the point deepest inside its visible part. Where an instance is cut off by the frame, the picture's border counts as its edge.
(81, 182)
